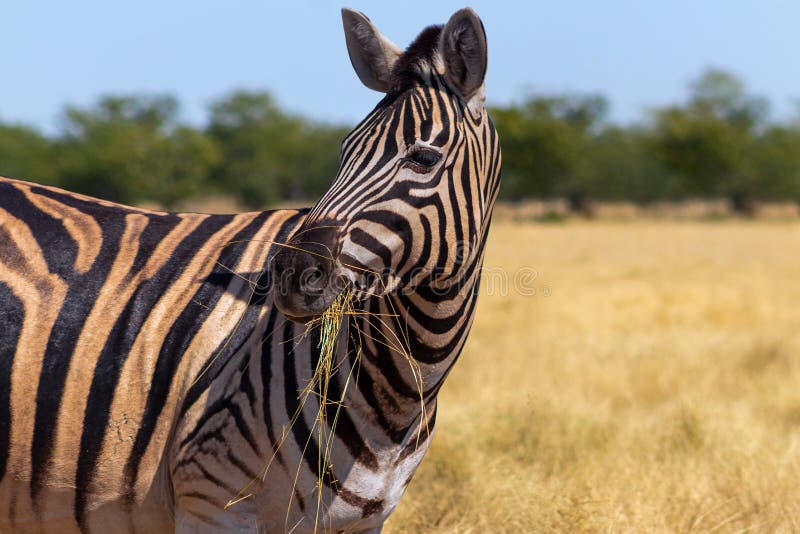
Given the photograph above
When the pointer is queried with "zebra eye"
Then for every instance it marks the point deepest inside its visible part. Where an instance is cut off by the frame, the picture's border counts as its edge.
(424, 158)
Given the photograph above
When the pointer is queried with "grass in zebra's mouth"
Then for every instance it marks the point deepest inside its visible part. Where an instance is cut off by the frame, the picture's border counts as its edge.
(330, 327)
(329, 324)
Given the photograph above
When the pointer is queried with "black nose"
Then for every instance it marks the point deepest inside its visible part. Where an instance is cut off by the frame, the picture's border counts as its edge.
(302, 273)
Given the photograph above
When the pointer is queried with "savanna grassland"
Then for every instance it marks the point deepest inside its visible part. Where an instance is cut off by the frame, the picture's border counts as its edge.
(651, 384)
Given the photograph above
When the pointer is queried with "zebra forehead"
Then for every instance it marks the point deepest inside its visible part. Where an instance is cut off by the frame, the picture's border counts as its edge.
(417, 62)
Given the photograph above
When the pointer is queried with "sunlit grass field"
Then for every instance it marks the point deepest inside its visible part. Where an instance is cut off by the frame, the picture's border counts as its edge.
(651, 384)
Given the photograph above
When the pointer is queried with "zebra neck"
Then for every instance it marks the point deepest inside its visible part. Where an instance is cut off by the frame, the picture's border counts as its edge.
(409, 341)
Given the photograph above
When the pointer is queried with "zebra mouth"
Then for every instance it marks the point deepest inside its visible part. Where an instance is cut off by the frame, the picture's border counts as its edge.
(299, 313)
(310, 273)
(305, 272)
(305, 296)
(303, 284)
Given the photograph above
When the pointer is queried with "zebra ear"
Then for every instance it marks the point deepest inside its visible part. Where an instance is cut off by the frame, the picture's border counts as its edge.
(463, 50)
(371, 53)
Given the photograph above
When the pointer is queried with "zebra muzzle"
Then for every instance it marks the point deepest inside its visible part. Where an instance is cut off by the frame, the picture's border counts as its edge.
(303, 281)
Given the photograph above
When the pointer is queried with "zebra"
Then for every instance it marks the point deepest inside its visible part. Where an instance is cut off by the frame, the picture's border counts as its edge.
(152, 364)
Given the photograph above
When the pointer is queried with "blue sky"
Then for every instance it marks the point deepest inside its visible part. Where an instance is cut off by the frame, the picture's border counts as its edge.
(639, 53)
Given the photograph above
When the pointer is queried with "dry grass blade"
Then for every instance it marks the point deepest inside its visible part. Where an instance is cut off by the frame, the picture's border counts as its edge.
(329, 324)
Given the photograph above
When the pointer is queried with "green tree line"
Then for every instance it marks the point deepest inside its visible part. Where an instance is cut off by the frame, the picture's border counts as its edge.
(718, 143)
(134, 149)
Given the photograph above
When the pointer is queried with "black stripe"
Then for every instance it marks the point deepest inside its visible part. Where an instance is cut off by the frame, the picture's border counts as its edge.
(300, 430)
(239, 464)
(207, 475)
(345, 427)
(245, 383)
(53, 240)
(427, 431)
(300, 500)
(206, 498)
(266, 365)
(425, 253)
(266, 380)
(14, 259)
(394, 222)
(409, 122)
(426, 354)
(426, 120)
(463, 239)
(369, 242)
(158, 227)
(444, 135)
(219, 406)
(12, 316)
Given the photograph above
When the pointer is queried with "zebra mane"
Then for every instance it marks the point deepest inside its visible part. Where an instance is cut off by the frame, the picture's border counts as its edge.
(416, 61)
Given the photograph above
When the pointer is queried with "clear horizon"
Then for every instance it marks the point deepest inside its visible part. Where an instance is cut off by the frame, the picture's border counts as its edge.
(638, 56)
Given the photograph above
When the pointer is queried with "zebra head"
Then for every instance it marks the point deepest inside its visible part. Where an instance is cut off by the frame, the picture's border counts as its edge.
(417, 177)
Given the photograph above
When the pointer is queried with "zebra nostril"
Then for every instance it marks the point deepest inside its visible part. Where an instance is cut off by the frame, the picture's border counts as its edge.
(313, 280)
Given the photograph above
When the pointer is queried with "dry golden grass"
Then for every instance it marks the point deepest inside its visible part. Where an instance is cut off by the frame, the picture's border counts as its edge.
(655, 389)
